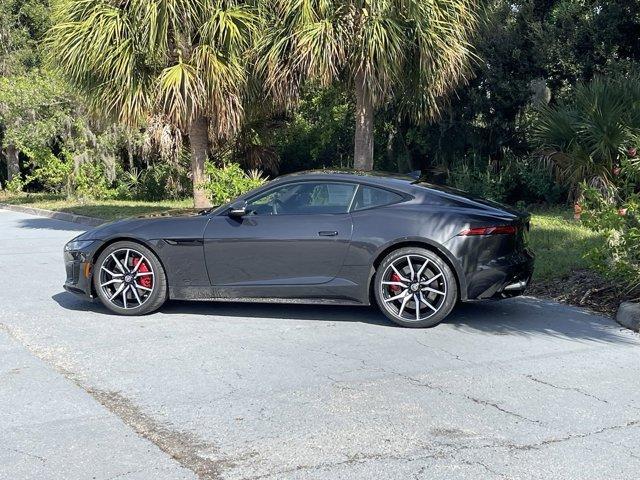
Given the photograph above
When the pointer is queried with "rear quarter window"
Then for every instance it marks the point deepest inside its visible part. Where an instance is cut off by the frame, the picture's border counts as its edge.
(368, 197)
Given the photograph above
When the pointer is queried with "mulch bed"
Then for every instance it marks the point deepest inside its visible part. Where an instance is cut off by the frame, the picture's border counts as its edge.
(586, 289)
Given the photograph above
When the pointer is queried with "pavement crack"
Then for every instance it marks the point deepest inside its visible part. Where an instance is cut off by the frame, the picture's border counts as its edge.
(574, 389)
(502, 409)
(128, 472)
(350, 460)
(551, 441)
(478, 401)
(486, 467)
(455, 356)
(31, 455)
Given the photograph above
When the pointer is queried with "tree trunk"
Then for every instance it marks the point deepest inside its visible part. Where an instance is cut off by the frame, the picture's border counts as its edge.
(13, 162)
(199, 143)
(363, 148)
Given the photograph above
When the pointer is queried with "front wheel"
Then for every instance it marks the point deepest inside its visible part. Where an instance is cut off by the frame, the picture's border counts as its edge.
(415, 288)
(129, 279)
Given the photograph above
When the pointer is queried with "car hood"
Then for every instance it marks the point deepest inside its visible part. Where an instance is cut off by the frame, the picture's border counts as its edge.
(187, 223)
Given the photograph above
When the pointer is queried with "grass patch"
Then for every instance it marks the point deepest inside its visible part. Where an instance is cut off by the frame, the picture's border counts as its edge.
(560, 243)
(104, 209)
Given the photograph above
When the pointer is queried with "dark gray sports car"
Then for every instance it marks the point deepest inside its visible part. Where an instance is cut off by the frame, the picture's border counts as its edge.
(314, 237)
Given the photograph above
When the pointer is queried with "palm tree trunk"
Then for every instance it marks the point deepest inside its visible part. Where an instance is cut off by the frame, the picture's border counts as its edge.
(363, 144)
(199, 143)
(13, 162)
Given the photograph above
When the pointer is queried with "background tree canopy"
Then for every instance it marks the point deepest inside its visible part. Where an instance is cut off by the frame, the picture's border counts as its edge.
(531, 55)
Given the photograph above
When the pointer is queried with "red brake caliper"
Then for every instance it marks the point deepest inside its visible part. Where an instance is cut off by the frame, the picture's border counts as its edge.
(395, 278)
(144, 280)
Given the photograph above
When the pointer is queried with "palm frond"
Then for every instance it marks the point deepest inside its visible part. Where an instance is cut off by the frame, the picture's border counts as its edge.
(179, 89)
(415, 50)
(588, 137)
(175, 58)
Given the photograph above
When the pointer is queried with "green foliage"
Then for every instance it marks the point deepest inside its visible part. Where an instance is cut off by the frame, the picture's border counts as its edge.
(163, 181)
(619, 257)
(228, 181)
(22, 24)
(185, 61)
(16, 185)
(90, 182)
(588, 137)
(520, 180)
(161, 60)
(35, 110)
(531, 51)
(320, 132)
(159, 181)
(50, 173)
(532, 184)
(478, 180)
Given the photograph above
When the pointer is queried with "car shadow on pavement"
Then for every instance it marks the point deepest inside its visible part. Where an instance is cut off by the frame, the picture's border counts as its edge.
(38, 223)
(329, 313)
(524, 316)
(336, 313)
(529, 316)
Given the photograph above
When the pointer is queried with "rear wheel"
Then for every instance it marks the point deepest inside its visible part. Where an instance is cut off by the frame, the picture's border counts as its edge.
(414, 287)
(129, 279)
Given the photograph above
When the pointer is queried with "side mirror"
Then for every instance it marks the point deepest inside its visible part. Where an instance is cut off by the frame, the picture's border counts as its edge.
(238, 210)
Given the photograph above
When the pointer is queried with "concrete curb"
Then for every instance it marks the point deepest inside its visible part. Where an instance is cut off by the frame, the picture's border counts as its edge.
(629, 315)
(67, 217)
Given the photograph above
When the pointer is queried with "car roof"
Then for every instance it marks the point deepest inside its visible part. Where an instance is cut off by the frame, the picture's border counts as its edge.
(389, 179)
(406, 183)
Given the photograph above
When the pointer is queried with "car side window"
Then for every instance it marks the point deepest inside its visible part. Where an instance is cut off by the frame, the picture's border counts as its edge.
(368, 197)
(304, 198)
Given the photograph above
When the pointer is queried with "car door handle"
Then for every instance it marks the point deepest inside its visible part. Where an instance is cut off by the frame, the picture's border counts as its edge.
(328, 233)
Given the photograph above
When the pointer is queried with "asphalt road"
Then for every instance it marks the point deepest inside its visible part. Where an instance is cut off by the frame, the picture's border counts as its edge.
(522, 389)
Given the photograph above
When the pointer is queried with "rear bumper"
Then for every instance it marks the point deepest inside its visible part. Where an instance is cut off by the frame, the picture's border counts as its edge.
(505, 278)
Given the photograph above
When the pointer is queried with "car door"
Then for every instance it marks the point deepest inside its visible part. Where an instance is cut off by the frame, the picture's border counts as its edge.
(294, 234)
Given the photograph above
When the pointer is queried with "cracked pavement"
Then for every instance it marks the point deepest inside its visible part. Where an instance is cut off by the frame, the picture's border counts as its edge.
(518, 389)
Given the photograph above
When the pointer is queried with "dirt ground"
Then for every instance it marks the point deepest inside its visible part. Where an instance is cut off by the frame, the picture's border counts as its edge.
(586, 289)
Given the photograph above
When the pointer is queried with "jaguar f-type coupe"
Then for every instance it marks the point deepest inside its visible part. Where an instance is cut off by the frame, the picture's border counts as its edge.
(413, 248)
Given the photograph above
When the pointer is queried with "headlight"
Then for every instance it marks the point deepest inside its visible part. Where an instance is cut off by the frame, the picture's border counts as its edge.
(75, 245)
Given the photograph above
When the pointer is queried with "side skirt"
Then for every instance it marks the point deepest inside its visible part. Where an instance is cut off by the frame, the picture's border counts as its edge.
(219, 295)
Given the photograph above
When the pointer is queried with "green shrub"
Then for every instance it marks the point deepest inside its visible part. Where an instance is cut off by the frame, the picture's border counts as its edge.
(90, 181)
(127, 183)
(520, 181)
(531, 183)
(163, 181)
(228, 181)
(478, 178)
(15, 185)
(619, 257)
(50, 172)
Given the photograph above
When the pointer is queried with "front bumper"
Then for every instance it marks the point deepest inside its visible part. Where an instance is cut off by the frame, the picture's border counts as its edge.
(79, 269)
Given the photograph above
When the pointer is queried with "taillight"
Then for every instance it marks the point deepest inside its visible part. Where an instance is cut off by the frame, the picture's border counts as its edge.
(497, 230)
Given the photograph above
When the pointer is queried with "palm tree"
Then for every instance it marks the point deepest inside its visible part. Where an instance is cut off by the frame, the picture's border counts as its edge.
(182, 59)
(591, 136)
(415, 51)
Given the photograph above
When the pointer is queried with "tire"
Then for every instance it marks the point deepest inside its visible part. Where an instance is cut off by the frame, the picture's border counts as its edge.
(436, 291)
(108, 277)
